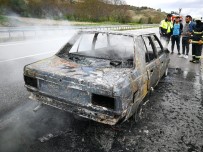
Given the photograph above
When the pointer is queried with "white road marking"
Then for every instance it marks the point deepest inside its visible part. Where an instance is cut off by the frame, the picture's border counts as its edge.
(27, 56)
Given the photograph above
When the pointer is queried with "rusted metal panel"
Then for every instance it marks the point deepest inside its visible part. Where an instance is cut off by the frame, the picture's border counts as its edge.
(103, 87)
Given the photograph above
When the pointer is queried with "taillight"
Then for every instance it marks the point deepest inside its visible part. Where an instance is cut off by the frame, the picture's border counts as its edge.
(30, 81)
(103, 101)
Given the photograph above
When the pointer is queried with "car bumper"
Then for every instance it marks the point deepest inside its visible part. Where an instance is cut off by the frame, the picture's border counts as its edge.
(98, 114)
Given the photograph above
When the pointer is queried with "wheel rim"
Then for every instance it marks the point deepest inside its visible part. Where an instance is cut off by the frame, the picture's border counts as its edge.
(166, 72)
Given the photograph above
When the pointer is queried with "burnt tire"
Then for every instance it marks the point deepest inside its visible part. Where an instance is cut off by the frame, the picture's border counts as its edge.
(166, 72)
(136, 115)
(79, 118)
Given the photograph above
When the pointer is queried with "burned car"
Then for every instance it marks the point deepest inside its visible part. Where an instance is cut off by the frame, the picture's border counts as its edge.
(102, 76)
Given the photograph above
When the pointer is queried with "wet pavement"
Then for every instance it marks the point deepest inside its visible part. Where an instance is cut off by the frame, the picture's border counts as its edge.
(170, 120)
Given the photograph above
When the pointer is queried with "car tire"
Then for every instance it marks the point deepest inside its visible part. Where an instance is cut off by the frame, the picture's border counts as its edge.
(76, 117)
(136, 115)
(166, 72)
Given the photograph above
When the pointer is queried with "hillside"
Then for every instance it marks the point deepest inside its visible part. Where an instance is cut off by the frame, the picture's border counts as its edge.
(148, 15)
(82, 11)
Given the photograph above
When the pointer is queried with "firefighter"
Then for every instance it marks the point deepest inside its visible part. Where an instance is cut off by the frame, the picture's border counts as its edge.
(165, 29)
(196, 40)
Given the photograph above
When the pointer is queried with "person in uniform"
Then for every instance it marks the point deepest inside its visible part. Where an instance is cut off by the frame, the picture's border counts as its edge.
(196, 40)
(165, 30)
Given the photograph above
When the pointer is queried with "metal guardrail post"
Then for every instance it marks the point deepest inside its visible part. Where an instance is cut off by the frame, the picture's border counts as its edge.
(9, 33)
(23, 34)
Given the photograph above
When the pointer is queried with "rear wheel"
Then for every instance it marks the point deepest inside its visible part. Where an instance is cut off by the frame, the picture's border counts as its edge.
(166, 72)
(136, 115)
(76, 117)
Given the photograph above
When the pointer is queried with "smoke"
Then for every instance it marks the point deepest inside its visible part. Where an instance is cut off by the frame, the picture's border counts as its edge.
(28, 39)
(118, 47)
(16, 28)
(23, 127)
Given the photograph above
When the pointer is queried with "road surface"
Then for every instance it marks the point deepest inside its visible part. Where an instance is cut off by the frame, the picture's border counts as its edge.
(171, 120)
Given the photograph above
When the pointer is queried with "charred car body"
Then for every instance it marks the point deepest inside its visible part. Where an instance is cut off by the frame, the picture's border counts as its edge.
(103, 76)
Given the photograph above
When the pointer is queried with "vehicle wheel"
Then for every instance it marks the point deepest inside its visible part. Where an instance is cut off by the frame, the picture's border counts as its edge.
(166, 72)
(79, 118)
(136, 116)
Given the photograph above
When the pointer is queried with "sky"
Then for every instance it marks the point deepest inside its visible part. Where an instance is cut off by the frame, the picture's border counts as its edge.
(189, 7)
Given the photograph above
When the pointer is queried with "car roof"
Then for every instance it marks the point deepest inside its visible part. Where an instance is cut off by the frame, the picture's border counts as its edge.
(125, 33)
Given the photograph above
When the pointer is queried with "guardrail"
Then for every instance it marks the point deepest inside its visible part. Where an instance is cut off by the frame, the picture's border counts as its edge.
(27, 32)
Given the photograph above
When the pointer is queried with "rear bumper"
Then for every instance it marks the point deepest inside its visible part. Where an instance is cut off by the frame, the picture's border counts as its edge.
(94, 113)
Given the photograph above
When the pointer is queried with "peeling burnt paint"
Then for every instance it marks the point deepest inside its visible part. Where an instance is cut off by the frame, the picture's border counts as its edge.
(68, 81)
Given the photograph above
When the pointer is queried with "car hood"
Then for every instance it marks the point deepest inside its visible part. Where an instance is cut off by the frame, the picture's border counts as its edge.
(56, 67)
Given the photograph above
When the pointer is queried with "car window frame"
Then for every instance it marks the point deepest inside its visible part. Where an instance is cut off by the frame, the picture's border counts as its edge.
(159, 42)
(65, 50)
(153, 48)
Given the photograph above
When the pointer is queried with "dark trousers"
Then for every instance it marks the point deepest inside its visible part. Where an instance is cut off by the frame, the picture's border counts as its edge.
(175, 39)
(185, 45)
(165, 40)
(196, 51)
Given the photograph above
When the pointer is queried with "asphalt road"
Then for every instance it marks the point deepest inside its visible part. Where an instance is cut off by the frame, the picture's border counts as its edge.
(171, 120)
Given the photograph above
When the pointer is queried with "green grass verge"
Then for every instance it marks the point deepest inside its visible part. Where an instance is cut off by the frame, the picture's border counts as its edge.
(3, 20)
(76, 23)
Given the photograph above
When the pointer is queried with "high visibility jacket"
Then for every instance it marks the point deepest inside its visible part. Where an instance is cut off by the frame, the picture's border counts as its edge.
(166, 27)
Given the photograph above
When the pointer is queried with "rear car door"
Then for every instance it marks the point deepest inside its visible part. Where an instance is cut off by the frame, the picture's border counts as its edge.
(152, 62)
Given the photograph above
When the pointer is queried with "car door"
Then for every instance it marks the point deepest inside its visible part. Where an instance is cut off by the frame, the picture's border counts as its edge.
(162, 56)
(152, 62)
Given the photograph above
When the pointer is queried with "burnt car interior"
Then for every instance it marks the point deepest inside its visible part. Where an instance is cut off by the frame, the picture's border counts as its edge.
(114, 50)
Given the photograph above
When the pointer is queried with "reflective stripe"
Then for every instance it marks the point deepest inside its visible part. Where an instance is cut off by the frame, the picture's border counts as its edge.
(197, 32)
(166, 25)
(197, 42)
(198, 57)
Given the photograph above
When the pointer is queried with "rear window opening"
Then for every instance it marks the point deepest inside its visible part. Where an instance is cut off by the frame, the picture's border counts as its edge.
(30, 81)
(103, 101)
(104, 45)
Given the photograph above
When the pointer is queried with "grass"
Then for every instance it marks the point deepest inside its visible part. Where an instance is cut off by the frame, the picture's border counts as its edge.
(76, 23)
(3, 20)
(6, 21)
(11, 21)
